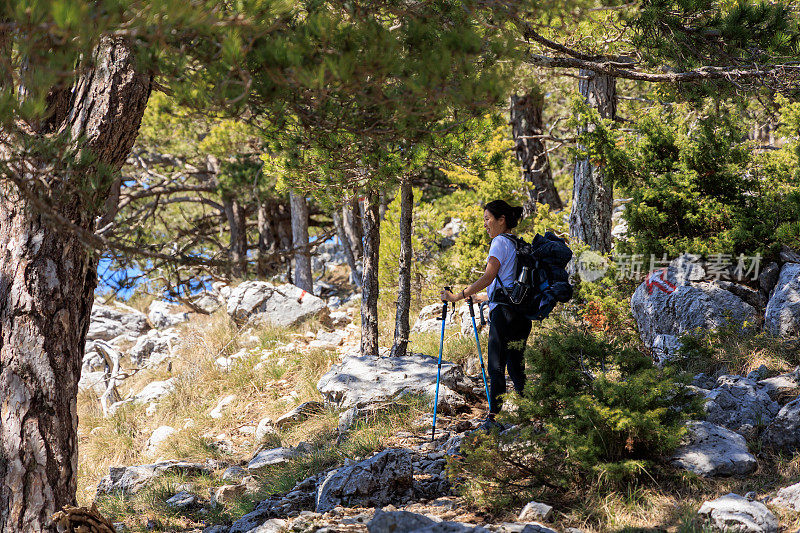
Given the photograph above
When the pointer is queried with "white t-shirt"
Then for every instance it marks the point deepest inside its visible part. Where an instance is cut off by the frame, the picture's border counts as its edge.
(504, 250)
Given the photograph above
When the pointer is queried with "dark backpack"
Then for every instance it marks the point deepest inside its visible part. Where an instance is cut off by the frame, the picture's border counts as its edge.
(541, 279)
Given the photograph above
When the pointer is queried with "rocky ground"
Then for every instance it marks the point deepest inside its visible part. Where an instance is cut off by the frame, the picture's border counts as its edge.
(255, 425)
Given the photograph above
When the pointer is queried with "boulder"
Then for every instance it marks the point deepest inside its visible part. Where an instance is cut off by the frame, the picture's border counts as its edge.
(228, 493)
(95, 381)
(535, 511)
(328, 339)
(359, 381)
(788, 497)
(739, 404)
(751, 296)
(783, 388)
(152, 392)
(253, 522)
(736, 513)
(429, 319)
(273, 525)
(385, 478)
(759, 373)
(164, 314)
(768, 278)
(299, 500)
(714, 451)
(159, 436)
(784, 431)
(465, 319)
(154, 347)
(274, 456)
(111, 321)
(388, 521)
(283, 305)
(129, 480)
(408, 522)
(449, 401)
(782, 317)
(155, 390)
(207, 302)
(673, 301)
(665, 347)
(182, 501)
(234, 473)
(339, 318)
(788, 255)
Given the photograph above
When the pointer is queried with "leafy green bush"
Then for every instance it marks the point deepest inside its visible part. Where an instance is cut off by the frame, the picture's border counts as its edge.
(593, 410)
(695, 186)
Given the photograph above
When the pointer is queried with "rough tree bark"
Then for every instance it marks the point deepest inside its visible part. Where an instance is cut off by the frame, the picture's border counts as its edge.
(302, 256)
(355, 277)
(592, 194)
(266, 240)
(402, 327)
(353, 227)
(47, 282)
(237, 223)
(526, 125)
(369, 287)
(274, 234)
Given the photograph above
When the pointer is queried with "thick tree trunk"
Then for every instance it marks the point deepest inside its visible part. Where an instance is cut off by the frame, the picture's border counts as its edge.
(353, 227)
(592, 194)
(369, 287)
(355, 277)
(47, 279)
(302, 256)
(402, 327)
(274, 234)
(237, 224)
(526, 126)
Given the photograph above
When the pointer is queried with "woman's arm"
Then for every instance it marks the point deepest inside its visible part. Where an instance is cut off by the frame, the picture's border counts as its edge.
(492, 268)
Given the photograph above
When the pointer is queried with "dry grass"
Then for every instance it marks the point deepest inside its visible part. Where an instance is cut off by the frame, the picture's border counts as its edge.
(671, 503)
(266, 383)
(272, 386)
(728, 350)
(147, 510)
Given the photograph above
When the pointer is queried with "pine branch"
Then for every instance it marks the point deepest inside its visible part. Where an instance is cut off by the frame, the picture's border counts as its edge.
(785, 72)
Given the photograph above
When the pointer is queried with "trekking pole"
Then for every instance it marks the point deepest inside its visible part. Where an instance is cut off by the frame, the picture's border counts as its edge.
(439, 369)
(480, 355)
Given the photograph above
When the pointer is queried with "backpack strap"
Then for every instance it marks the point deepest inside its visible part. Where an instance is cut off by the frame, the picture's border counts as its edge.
(515, 242)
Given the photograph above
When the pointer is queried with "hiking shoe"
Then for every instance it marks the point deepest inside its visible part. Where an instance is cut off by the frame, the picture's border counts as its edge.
(489, 424)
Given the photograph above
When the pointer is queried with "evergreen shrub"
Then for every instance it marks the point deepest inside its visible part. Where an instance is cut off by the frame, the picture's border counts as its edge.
(696, 186)
(593, 409)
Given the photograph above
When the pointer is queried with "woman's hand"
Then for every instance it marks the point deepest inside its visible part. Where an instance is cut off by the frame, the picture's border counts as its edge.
(480, 297)
(448, 296)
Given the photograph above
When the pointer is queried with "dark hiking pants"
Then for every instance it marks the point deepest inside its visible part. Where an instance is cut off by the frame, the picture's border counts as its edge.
(508, 333)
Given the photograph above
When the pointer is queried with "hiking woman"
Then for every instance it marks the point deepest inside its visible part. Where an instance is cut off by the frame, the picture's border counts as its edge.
(508, 331)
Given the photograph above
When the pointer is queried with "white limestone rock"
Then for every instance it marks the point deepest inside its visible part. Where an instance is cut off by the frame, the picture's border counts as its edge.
(736, 513)
(714, 451)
